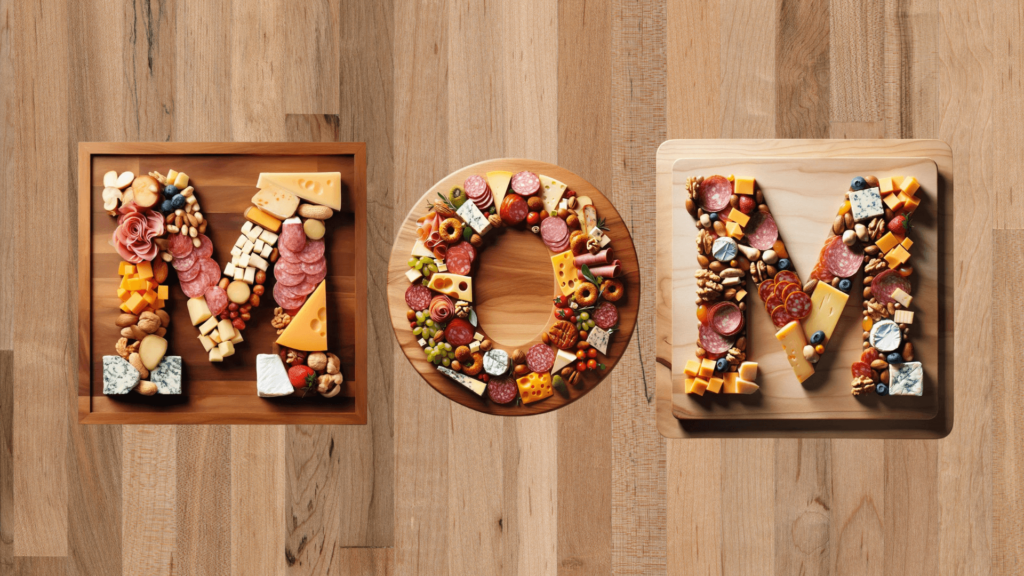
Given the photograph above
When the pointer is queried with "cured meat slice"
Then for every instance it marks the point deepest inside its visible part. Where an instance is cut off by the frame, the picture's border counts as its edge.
(526, 183)
(289, 300)
(196, 287)
(459, 332)
(762, 232)
(870, 355)
(475, 186)
(766, 289)
(460, 258)
(783, 291)
(313, 251)
(714, 193)
(288, 278)
(861, 369)
(205, 246)
(712, 341)
(180, 245)
(441, 308)
(840, 260)
(606, 315)
(307, 286)
(540, 358)
(317, 278)
(554, 231)
(186, 261)
(887, 281)
(216, 299)
(314, 268)
(288, 265)
(799, 305)
(502, 389)
(417, 296)
(513, 209)
(726, 318)
(821, 274)
(189, 274)
(773, 302)
(211, 271)
(780, 317)
(607, 271)
(787, 276)
(292, 238)
(588, 259)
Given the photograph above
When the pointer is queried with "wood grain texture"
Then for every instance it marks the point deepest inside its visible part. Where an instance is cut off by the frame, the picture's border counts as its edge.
(149, 523)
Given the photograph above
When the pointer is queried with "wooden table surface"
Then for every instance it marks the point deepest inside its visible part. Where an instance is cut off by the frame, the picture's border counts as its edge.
(430, 487)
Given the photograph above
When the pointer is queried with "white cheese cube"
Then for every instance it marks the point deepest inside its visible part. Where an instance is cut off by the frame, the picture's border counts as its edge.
(474, 346)
(243, 260)
(246, 227)
(239, 273)
(216, 356)
(226, 348)
(229, 269)
(247, 247)
(206, 327)
(254, 233)
(237, 339)
(422, 343)
(257, 262)
(215, 336)
(414, 275)
(241, 239)
(236, 251)
(207, 342)
(268, 237)
(258, 246)
(267, 251)
(249, 276)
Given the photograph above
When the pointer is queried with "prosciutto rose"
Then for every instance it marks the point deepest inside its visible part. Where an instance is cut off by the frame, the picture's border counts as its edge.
(136, 229)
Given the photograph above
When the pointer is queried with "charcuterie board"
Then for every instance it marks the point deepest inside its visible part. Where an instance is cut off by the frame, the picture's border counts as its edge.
(803, 194)
(539, 311)
(180, 250)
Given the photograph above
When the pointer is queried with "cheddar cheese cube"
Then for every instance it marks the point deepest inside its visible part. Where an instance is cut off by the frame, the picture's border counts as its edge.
(136, 303)
(897, 256)
(909, 185)
(152, 284)
(692, 366)
(145, 270)
(149, 296)
(739, 217)
(121, 266)
(893, 201)
(698, 386)
(707, 368)
(161, 292)
(137, 284)
(910, 203)
(124, 308)
(124, 283)
(123, 295)
(748, 371)
(887, 242)
(897, 180)
(729, 385)
(743, 186)
(129, 269)
(907, 243)
(887, 185)
(734, 230)
(715, 385)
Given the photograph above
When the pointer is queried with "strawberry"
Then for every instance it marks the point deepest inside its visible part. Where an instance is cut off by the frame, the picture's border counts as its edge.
(302, 377)
(747, 204)
(900, 225)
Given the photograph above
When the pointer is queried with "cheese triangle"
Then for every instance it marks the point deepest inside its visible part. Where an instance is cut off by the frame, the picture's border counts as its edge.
(308, 329)
(498, 182)
(551, 192)
(316, 187)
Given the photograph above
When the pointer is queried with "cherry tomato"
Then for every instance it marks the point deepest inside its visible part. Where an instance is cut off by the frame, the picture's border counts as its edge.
(564, 299)
(533, 218)
(592, 353)
(905, 270)
(581, 366)
(592, 364)
(557, 301)
(570, 193)
(581, 355)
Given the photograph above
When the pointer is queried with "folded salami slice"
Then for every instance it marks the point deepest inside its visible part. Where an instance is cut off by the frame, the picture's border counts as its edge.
(887, 281)
(441, 308)
(293, 237)
(712, 341)
(602, 257)
(608, 271)
(313, 251)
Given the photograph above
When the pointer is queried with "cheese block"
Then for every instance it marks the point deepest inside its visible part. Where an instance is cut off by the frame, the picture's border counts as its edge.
(715, 385)
(887, 242)
(909, 185)
(272, 377)
(696, 386)
(744, 387)
(903, 317)
(414, 275)
(562, 359)
(207, 327)
(308, 329)
(897, 256)
(748, 371)
(734, 230)
(692, 366)
(707, 368)
(827, 305)
(472, 215)
(476, 386)
(279, 203)
(565, 272)
(453, 285)
(598, 338)
(551, 191)
(793, 342)
(534, 387)
(420, 249)
(906, 379)
(226, 330)
(893, 201)
(216, 356)
(167, 376)
(227, 348)
(198, 311)
(907, 243)
(266, 221)
(316, 187)
(119, 377)
(498, 181)
(729, 386)
(866, 204)
(207, 342)
(910, 203)
(743, 186)
(902, 297)
(885, 336)
(887, 186)
(145, 269)
(739, 217)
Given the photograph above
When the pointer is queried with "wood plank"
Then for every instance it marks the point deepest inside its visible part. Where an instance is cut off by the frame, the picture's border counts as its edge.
(857, 529)
(149, 523)
(748, 512)
(203, 500)
(694, 533)
(912, 507)
(364, 561)
(856, 43)
(258, 521)
(314, 498)
(7, 460)
(802, 79)
(803, 506)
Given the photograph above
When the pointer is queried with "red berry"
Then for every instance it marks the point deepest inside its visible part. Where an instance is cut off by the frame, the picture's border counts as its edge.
(570, 193)
(581, 366)
(592, 353)
(238, 323)
(484, 377)
(899, 225)
(302, 376)
(747, 204)
(412, 325)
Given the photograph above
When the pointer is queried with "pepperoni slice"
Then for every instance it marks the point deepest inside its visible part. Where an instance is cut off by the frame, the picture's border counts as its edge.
(773, 302)
(840, 260)
(726, 318)
(870, 355)
(606, 315)
(787, 289)
(712, 341)
(780, 317)
(861, 369)
(787, 276)
(766, 289)
(799, 305)
(513, 209)
(417, 296)
(540, 358)
(460, 258)
(762, 232)
(886, 283)
(216, 299)
(459, 332)
(189, 274)
(714, 193)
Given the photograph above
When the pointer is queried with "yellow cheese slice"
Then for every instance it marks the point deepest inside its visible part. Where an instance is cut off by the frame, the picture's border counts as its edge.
(534, 387)
(793, 342)
(277, 202)
(551, 192)
(308, 330)
(498, 183)
(316, 187)
(565, 272)
(827, 305)
(744, 387)
(453, 285)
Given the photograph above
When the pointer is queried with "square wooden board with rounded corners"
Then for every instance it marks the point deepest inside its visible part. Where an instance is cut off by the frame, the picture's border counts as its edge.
(804, 194)
(224, 176)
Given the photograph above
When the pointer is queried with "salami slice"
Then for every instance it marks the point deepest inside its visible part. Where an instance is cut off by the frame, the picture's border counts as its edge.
(526, 183)
(780, 317)
(459, 332)
(840, 260)
(861, 369)
(887, 281)
(799, 305)
(289, 278)
(762, 232)
(712, 341)
(307, 286)
(186, 261)
(715, 192)
(189, 274)
(475, 186)
(765, 289)
(606, 315)
(289, 300)
(502, 389)
(513, 209)
(787, 276)
(288, 265)
(417, 296)
(540, 358)
(196, 287)
(180, 245)
(726, 318)
(554, 231)
(216, 300)
(460, 258)
(441, 308)
(870, 355)
(787, 289)
(205, 246)
(318, 277)
(211, 272)
(821, 274)
(313, 251)
(292, 238)
(316, 268)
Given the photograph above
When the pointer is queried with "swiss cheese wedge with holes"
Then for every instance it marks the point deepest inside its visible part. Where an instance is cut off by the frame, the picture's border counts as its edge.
(308, 329)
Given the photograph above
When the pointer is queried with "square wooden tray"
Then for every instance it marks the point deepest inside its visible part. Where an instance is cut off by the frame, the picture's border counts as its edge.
(224, 176)
(798, 190)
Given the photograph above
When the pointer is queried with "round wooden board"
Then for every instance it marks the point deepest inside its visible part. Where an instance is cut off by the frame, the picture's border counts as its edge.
(517, 308)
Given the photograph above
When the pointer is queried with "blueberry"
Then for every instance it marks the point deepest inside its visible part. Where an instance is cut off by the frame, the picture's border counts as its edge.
(178, 201)
(170, 190)
(882, 389)
(722, 365)
(858, 183)
(782, 264)
(845, 285)
(166, 207)
(713, 216)
(894, 358)
(818, 338)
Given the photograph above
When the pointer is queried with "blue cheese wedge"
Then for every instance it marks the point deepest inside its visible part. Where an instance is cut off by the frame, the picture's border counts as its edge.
(885, 336)
(906, 379)
(866, 204)
(473, 384)
(167, 375)
(272, 377)
(119, 377)
(724, 249)
(598, 338)
(496, 362)
(472, 215)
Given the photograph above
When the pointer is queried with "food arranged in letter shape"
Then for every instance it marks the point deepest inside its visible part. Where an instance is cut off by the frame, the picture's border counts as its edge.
(160, 222)
(737, 235)
(453, 235)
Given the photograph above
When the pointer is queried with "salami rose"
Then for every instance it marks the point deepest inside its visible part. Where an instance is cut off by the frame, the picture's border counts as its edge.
(136, 229)
(441, 308)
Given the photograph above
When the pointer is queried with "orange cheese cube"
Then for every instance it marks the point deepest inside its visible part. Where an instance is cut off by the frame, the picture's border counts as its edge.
(697, 386)
(121, 266)
(145, 270)
(893, 201)
(743, 186)
(149, 296)
(692, 366)
(897, 180)
(707, 368)
(740, 294)
(739, 217)
(152, 283)
(887, 186)
(729, 386)
(136, 303)
(124, 308)
(907, 243)
(887, 242)
(909, 185)
(261, 218)
(161, 292)
(129, 269)
(910, 203)
(534, 387)
(897, 256)
(123, 295)
(136, 284)
(124, 283)
(734, 230)
(715, 384)
(843, 209)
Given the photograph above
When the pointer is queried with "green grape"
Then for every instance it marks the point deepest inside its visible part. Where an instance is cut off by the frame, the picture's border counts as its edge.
(431, 342)
(417, 331)
(448, 346)
(418, 265)
(425, 282)
(420, 316)
(432, 268)
(412, 262)
(590, 324)
(447, 362)
(584, 315)
(426, 260)
(426, 273)
(430, 323)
